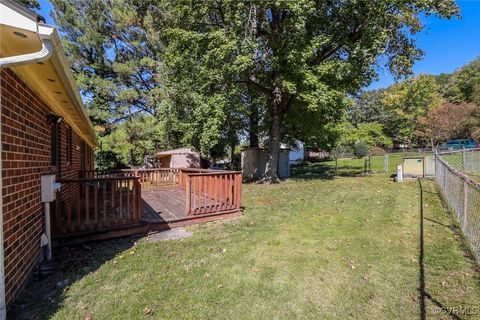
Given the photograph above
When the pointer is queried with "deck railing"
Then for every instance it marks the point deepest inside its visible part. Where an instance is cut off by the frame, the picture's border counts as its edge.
(212, 191)
(94, 204)
(108, 200)
(160, 178)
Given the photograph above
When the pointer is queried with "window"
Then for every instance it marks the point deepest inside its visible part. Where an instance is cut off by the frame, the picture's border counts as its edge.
(69, 146)
(54, 144)
(82, 156)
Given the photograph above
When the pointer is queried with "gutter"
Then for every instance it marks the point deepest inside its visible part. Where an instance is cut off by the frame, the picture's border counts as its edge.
(60, 63)
(43, 54)
(39, 56)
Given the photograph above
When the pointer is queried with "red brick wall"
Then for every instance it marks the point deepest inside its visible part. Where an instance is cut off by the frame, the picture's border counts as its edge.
(26, 156)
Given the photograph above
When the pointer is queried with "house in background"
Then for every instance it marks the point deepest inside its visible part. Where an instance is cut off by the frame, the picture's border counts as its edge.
(297, 153)
(178, 158)
(44, 131)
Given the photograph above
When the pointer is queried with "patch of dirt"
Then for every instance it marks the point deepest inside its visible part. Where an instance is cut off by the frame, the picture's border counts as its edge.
(172, 234)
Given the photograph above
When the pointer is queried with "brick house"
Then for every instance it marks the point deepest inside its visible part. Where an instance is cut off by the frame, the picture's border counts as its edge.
(44, 130)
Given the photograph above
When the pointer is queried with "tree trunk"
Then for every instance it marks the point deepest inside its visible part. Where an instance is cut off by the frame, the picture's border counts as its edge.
(253, 126)
(277, 106)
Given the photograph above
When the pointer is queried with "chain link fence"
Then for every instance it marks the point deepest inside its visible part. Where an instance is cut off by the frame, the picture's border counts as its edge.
(457, 174)
(346, 163)
(388, 162)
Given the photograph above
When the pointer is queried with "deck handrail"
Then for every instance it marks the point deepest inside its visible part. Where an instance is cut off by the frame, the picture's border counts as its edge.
(97, 179)
(213, 173)
(93, 204)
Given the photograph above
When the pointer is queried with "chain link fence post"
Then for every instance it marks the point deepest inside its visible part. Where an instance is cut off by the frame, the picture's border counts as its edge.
(465, 204)
(385, 163)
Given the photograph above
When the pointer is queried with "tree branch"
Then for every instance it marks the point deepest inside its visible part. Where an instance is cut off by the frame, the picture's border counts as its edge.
(250, 83)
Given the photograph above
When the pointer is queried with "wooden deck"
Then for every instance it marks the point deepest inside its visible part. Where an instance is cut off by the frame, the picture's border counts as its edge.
(163, 205)
(167, 205)
(103, 205)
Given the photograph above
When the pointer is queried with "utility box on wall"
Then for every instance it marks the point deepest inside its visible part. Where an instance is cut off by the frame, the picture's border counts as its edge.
(49, 188)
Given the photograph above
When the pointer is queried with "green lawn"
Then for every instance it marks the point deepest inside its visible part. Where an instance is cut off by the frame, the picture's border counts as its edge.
(312, 247)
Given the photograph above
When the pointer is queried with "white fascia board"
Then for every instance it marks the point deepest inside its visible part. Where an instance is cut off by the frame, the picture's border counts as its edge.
(11, 15)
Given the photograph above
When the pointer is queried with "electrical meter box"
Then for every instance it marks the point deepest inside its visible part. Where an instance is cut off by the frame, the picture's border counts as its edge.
(49, 188)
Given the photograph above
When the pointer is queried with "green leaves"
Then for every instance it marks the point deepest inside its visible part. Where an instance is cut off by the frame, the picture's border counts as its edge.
(208, 73)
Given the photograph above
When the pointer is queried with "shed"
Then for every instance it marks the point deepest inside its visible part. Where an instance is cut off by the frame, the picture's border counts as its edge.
(179, 158)
(254, 163)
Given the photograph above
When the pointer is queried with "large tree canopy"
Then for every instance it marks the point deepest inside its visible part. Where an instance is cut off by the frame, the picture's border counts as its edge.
(116, 67)
(303, 57)
(210, 71)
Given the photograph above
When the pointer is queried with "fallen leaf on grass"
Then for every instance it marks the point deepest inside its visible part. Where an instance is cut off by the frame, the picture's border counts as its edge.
(220, 286)
(365, 277)
(147, 310)
(206, 275)
(88, 317)
(444, 283)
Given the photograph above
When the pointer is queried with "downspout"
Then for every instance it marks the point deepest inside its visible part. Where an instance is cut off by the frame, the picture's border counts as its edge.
(43, 54)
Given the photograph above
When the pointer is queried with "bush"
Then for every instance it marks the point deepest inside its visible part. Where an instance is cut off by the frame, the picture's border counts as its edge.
(341, 151)
(377, 151)
(360, 149)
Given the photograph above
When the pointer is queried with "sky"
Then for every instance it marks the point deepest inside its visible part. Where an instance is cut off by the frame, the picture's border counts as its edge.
(447, 44)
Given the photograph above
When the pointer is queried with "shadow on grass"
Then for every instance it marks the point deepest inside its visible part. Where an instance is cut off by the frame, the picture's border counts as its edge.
(422, 289)
(45, 294)
(321, 170)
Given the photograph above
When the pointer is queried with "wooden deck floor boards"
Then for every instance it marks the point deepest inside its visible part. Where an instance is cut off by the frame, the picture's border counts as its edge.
(167, 205)
(163, 205)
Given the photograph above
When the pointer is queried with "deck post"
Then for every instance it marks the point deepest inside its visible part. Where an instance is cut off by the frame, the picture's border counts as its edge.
(188, 194)
(238, 188)
(139, 200)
